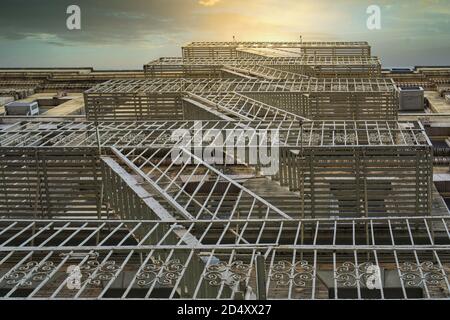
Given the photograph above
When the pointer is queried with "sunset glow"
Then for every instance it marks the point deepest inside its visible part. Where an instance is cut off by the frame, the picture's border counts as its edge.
(147, 29)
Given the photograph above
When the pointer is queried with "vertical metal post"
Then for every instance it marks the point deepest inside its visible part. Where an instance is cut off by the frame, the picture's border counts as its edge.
(260, 277)
(101, 191)
(97, 135)
(300, 165)
(240, 294)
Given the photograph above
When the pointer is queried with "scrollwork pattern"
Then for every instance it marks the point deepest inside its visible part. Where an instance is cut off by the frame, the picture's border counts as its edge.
(27, 274)
(164, 273)
(349, 274)
(228, 274)
(415, 275)
(284, 273)
(95, 273)
(92, 271)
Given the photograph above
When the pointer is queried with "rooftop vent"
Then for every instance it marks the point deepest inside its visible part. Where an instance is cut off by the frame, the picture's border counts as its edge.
(22, 108)
(411, 98)
(402, 70)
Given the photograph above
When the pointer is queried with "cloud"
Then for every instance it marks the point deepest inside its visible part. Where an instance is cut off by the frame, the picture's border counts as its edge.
(162, 22)
(208, 3)
(160, 27)
(115, 22)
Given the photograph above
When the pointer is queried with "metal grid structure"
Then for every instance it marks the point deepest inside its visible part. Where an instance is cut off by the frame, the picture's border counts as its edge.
(231, 49)
(317, 160)
(144, 134)
(216, 259)
(146, 86)
(313, 98)
(360, 169)
(46, 183)
(342, 181)
(140, 134)
(245, 108)
(313, 66)
(352, 197)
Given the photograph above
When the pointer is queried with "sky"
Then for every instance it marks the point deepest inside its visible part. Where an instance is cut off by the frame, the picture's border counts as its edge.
(126, 34)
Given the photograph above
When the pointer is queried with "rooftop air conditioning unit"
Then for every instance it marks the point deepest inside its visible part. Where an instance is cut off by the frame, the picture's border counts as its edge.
(411, 98)
(22, 109)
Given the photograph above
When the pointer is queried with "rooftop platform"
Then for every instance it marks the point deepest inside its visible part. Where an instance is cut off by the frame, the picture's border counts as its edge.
(142, 87)
(287, 44)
